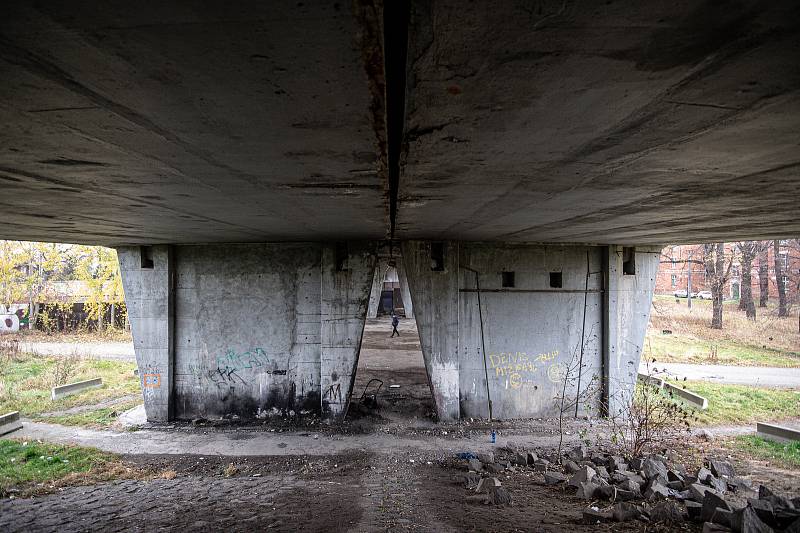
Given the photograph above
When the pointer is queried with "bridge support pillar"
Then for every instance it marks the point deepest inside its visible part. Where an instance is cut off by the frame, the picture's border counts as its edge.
(504, 325)
(248, 330)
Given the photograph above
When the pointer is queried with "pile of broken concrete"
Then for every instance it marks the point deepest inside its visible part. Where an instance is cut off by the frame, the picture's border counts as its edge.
(651, 489)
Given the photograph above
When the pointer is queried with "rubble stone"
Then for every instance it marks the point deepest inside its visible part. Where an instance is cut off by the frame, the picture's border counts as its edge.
(722, 469)
(541, 465)
(486, 484)
(777, 501)
(694, 510)
(636, 464)
(673, 475)
(653, 468)
(624, 511)
(746, 520)
(571, 467)
(471, 480)
(709, 527)
(594, 516)
(615, 462)
(657, 491)
(602, 472)
(666, 512)
(583, 474)
(630, 486)
(587, 490)
(712, 502)
(499, 496)
(703, 475)
(475, 465)
(485, 458)
(519, 459)
(697, 491)
(532, 458)
(554, 478)
(578, 454)
(494, 468)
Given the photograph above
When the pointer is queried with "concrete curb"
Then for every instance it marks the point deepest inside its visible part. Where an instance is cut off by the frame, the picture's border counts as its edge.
(10, 422)
(688, 396)
(73, 388)
(651, 380)
(695, 399)
(777, 433)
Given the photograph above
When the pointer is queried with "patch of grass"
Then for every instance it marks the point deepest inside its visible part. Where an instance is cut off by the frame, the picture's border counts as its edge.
(767, 341)
(784, 454)
(103, 417)
(742, 404)
(25, 383)
(686, 349)
(23, 465)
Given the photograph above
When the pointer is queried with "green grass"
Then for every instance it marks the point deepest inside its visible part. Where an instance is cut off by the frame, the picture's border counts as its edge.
(787, 455)
(742, 404)
(25, 384)
(102, 417)
(33, 462)
(677, 348)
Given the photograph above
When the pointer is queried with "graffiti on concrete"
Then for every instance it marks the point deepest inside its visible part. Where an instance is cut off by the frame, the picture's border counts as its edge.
(517, 369)
(241, 361)
(334, 393)
(234, 368)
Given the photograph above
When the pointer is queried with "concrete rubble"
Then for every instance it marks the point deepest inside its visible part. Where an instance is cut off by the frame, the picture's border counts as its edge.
(651, 489)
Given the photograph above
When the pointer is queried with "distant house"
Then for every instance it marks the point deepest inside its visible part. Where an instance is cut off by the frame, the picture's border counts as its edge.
(680, 261)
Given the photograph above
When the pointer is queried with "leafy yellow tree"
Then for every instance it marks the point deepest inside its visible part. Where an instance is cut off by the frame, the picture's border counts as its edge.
(98, 268)
(40, 260)
(10, 276)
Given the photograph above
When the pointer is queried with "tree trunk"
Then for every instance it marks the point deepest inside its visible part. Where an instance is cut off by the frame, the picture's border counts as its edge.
(763, 276)
(776, 248)
(746, 300)
(715, 267)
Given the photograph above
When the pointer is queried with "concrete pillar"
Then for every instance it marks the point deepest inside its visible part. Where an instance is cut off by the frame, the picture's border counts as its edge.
(250, 330)
(345, 292)
(377, 288)
(148, 278)
(627, 303)
(435, 296)
(510, 323)
(408, 304)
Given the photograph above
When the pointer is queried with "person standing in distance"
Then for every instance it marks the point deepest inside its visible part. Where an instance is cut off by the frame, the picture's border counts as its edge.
(395, 323)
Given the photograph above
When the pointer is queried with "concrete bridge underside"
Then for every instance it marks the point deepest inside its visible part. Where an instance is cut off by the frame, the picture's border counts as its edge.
(542, 151)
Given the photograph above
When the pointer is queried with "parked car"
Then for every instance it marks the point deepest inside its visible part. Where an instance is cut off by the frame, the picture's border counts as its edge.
(705, 295)
(680, 294)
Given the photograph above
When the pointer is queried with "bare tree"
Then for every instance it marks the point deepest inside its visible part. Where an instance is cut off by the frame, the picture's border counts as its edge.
(717, 273)
(748, 250)
(776, 249)
(763, 274)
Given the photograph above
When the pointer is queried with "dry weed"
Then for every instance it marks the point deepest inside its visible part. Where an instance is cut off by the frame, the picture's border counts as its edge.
(767, 330)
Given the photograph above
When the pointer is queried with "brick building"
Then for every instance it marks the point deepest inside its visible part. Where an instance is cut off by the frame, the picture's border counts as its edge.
(679, 261)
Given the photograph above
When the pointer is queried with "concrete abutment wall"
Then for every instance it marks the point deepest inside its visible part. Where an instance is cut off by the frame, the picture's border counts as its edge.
(255, 330)
(504, 324)
(264, 329)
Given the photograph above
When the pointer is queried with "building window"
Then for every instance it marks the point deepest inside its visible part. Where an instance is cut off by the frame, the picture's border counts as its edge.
(556, 280)
(146, 256)
(342, 254)
(628, 261)
(674, 280)
(786, 282)
(785, 259)
(508, 279)
(437, 256)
